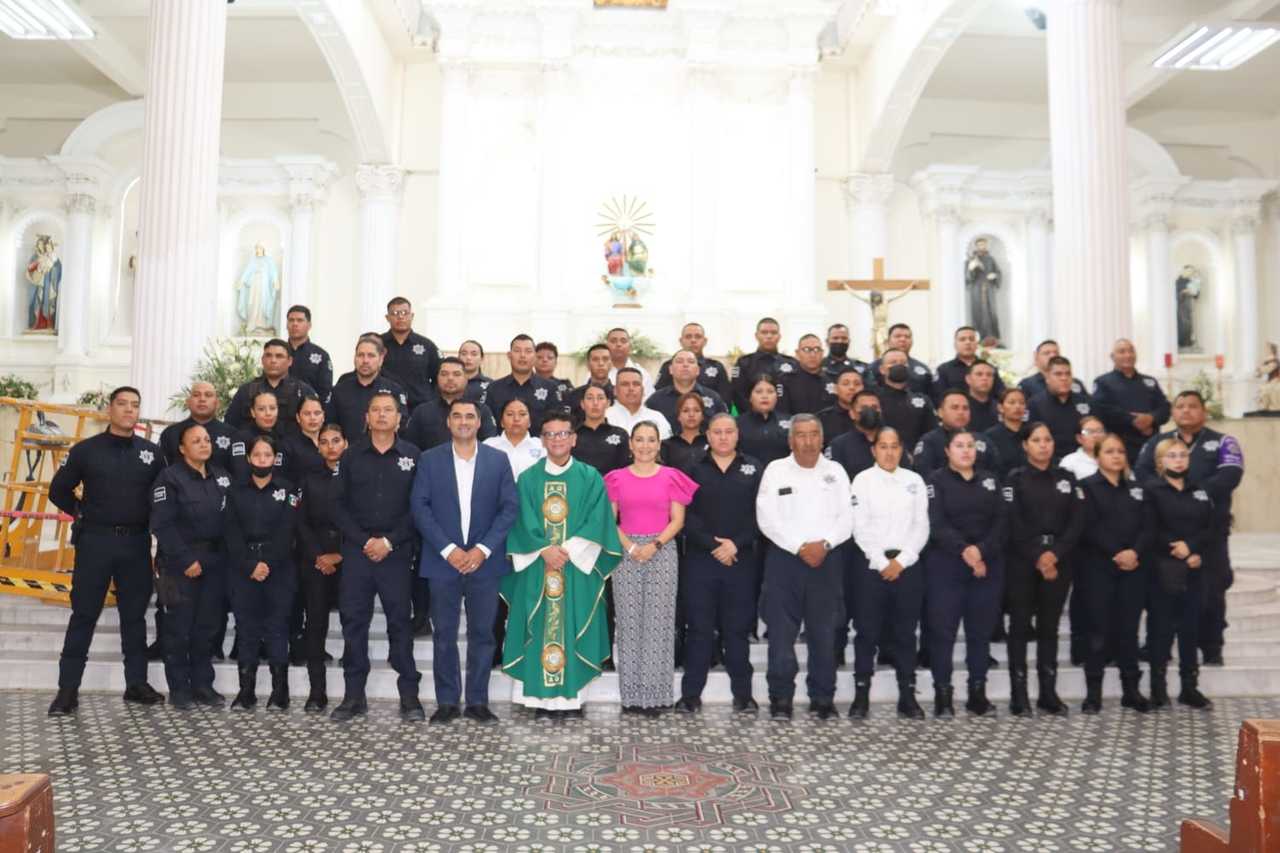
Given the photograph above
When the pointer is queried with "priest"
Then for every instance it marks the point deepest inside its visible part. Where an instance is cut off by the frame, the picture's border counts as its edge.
(563, 546)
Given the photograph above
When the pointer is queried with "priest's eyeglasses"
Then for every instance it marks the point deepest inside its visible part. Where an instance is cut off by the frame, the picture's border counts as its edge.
(558, 434)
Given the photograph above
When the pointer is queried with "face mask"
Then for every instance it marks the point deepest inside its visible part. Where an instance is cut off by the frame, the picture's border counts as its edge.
(262, 470)
(1176, 475)
(838, 350)
(868, 417)
(898, 373)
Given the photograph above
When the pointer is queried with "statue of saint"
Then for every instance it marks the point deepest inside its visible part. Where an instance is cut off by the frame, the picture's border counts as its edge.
(982, 278)
(1187, 288)
(44, 275)
(258, 291)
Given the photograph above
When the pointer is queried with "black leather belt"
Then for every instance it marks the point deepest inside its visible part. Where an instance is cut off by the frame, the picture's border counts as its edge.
(1047, 539)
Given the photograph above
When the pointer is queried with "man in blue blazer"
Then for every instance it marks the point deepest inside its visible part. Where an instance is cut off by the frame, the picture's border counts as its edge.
(464, 503)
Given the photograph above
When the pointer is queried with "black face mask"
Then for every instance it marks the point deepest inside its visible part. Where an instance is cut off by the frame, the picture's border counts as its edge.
(1175, 475)
(868, 417)
(897, 373)
(838, 350)
(262, 470)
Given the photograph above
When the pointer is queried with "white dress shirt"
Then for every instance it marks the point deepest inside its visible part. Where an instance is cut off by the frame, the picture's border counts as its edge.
(796, 505)
(618, 415)
(522, 455)
(890, 510)
(464, 471)
(583, 553)
(645, 379)
(1080, 463)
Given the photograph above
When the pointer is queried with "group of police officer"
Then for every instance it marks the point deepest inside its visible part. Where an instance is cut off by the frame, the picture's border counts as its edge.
(256, 511)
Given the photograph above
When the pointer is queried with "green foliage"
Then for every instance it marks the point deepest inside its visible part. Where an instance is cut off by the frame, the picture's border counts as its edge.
(1205, 384)
(17, 387)
(96, 400)
(643, 347)
(226, 365)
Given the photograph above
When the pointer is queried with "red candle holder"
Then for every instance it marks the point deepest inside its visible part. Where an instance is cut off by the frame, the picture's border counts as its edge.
(1219, 361)
(1168, 361)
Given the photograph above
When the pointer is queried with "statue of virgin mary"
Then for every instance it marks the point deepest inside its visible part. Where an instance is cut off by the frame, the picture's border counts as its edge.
(258, 291)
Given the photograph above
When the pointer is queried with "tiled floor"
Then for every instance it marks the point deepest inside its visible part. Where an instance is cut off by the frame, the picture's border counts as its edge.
(132, 779)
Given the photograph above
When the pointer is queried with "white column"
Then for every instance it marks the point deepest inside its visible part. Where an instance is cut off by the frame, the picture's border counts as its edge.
(1039, 298)
(548, 314)
(1247, 352)
(1273, 264)
(381, 188)
(1163, 335)
(948, 281)
(802, 158)
(178, 236)
(308, 182)
(867, 199)
(1090, 189)
(73, 295)
(451, 199)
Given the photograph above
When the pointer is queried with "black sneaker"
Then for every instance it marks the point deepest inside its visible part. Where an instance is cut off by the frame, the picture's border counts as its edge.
(689, 705)
(745, 704)
(208, 697)
(143, 694)
(780, 710)
(350, 707)
(411, 710)
(182, 701)
(65, 703)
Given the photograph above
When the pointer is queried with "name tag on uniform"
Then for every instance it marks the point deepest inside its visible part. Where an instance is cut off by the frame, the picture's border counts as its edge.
(785, 490)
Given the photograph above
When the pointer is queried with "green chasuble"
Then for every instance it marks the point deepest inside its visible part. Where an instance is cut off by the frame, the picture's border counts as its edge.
(557, 638)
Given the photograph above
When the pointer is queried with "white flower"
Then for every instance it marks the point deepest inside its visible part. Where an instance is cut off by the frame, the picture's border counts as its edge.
(279, 495)
(419, 349)
(146, 456)
(1064, 487)
(223, 442)
(540, 393)
(989, 484)
(614, 439)
(316, 358)
(1082, 408)
(405, 463)
(747, 468)
(224, 482)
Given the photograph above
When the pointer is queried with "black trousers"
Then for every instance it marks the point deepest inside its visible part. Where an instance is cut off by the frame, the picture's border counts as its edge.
(889, 608)
(956, 596)
(190, 625)
(1029, 595)
(796, 594)
(103, 557)
(1177, 615)
(1114, 601)
(391, 582)
(319, 595)
(719, 606)
(263, 609)
(1218, 578)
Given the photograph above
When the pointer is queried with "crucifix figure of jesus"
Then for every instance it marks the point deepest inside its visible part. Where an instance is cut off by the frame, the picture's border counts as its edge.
(876, 288)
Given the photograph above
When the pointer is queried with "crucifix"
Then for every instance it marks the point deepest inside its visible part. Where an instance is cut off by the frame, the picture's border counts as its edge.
(876, 299)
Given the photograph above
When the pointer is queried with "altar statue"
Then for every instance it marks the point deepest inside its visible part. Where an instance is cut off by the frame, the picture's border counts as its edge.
(44, 275)
(258, 291)
(1187, 288)
(982, 279)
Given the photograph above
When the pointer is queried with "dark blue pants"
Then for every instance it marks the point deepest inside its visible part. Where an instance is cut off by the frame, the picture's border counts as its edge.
(263, 610)
(319, 592)
(956, 596)
(1115, 600)
(892, 606)
(1029, 595)
(102, 557)
(1218, 578)
(1176, 615)
(190, 626)
(392, 582)
(796, 594)
(849, 599)
(718, 599)
(447, 596)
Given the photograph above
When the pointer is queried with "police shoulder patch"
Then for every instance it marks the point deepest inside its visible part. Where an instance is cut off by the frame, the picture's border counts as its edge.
(1007, 491)
(237, 449)
(159, 494)
(928, 490)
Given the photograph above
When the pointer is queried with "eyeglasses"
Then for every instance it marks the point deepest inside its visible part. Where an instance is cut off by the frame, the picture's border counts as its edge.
(810, 349)
(558, 434)
(1176, 454)
(400, 312)
(1093, 432)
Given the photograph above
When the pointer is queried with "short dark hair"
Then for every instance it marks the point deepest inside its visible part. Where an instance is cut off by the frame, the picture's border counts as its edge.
(979, 363)
(960, 329)
(111, 398)
(309, 397)
(852, 370)
(547, 345)
(559, 414)
(1012, 389)
(398, 300)
(479, 346)
(953, 392)
(618, 329)
(261, 438)
(375, 339)
(692, 323)
(686, 397)
(951, 438)
(277, 342)
(835, 326)
(1046, 342)
(623, 370)
(896, 326)
(596, 348)
(188, 427)
(875, 437)
(1059, 361)
(764, 320)
(1031, 427)
(520, 337)
(463, 401)
(865, 392)
(509, 403)
(333, 427)
(808, 335)
(383, 392)
(299, 309)
(451, 359)
(1190, 392)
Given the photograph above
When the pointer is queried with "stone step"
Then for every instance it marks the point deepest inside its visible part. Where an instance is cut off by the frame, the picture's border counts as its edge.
(1240, 677)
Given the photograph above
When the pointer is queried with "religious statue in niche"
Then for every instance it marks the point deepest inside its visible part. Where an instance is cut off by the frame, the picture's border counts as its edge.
(1187, 288)
(44, 277)
(626, 255)
(982, 280)
(257, 294)
(1269, 393)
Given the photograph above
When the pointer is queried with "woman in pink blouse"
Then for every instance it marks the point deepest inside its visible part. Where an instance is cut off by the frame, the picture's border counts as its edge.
(649, 500)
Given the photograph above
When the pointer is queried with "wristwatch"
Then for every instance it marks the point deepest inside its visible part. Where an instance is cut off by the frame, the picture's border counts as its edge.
(387, 542)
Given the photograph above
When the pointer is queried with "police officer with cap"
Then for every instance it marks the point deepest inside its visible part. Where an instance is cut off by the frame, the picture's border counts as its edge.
(289, 392)
(375, 477)
(310, 363)
(116, 470)
(1141, 405)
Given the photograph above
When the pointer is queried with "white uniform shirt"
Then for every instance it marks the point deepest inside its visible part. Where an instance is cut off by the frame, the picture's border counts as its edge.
(890, 510)
(796, 505)
(645, 379)
(618, 415)
(522, 455)
(1080, 463)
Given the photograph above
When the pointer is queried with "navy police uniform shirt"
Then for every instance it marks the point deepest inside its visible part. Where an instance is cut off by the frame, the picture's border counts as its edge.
(414, 364)
(243, 443)
(852, 451)
(313, 366)
(1217, 464)
(1125, 394)
(951, 374)
(832, 367)
(260, 522)
(983, 415)
(349, 402)
(664, 400)
(372, 497)
(221, 434)
(766, 437)
(724, 505)
(116, 472)
(808, 393)
(429, 424)
(1116, 519)
(909, 412)
(1181, 515)
(711, 374)
(1008, 447)
(836, 421)
(681, 454)
(930, 452)
(919, 376)
(1062, 417)
(536, 393)
(188, 513)
(967, 512)
(752, 365)
(1046, 512)
(1035, 384)
(605, 447)
(289, 393)
(316, 523)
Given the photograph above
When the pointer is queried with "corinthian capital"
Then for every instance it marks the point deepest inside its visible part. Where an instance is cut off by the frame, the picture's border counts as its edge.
(868, 188)
(380, 182)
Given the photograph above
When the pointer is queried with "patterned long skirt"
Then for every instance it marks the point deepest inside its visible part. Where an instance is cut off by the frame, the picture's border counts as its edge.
(645, 602)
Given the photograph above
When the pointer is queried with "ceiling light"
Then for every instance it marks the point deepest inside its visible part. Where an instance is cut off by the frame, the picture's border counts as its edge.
(1216, 47)
(42, 19)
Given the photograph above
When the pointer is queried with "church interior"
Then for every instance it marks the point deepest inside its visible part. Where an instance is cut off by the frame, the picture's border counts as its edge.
(171, 182)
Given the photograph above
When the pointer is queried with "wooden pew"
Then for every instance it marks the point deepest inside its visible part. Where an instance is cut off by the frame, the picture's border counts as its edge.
(26, 813)
(1255, 805)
